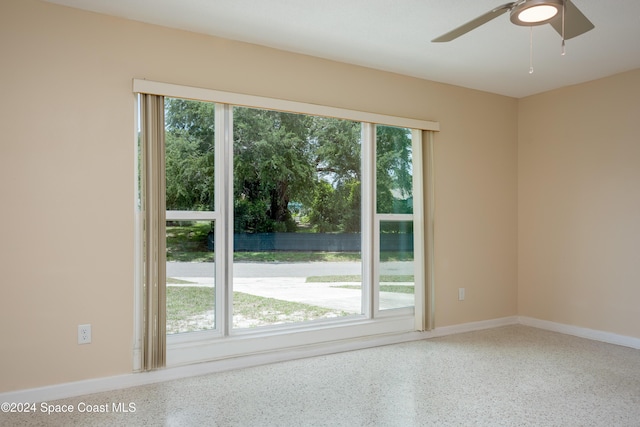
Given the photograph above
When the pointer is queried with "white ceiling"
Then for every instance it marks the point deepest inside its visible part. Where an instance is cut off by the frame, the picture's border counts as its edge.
(394, 35)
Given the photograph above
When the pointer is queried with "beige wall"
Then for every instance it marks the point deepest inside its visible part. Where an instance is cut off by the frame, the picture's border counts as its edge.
(67, 175)
(579, 205)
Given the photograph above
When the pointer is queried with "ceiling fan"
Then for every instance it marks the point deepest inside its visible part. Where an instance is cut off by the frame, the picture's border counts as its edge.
(563, 16)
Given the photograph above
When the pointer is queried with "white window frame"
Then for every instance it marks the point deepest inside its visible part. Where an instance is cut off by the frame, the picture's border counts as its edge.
(206, 345)
(416, 218)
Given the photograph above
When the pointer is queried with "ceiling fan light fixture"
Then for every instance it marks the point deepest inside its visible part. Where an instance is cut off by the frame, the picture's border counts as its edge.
(535, 12)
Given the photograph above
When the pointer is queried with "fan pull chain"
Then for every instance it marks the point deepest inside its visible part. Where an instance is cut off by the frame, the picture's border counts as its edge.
(531, 50)
(563, 45)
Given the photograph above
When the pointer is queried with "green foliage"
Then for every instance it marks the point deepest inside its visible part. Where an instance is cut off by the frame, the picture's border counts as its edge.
(187, 241)
(189, 173)
(336, 209)
(337, 152)
(272, 161)
(325, 214)
(190, 148)
(283, 160)
(351, 210)
(394, 178)
(193, 118)
(251, 216)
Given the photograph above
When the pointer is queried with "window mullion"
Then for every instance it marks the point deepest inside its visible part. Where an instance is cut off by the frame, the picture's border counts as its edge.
(191, 216)
(224, 205)
(395, 217)
(368, 202)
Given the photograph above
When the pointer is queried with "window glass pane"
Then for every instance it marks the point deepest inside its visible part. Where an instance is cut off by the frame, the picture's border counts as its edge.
(189, 157)
(189, 169)
(394, 171)
(296, 218)
(396, 275)
(190, 276)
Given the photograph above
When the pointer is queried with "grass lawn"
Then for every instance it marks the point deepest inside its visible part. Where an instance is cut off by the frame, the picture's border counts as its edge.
(251, 310)
(190, 308)
(188, 243)
(358, 278)
(400, 289)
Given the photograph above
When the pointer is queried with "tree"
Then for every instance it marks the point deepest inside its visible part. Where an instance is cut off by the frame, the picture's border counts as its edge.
(189, 158)
(394, 170)
(325, 212)
(272, 161)
(338, 152)
(351, 219)
(279, 159)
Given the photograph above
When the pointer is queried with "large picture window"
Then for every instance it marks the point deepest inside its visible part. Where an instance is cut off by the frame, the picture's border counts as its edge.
(284, 223)
(297, 218)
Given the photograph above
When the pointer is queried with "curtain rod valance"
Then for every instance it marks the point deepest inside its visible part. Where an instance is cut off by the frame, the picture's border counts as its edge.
(179, 91)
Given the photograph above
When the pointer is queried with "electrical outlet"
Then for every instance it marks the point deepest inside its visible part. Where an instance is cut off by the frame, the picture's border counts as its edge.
(84, 334)
(460, 294)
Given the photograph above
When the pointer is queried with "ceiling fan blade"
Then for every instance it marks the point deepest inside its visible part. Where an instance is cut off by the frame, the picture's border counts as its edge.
(575, 23)
(473, 24)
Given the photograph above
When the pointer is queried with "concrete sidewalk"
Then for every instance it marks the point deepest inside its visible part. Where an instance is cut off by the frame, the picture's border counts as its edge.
(295, 289)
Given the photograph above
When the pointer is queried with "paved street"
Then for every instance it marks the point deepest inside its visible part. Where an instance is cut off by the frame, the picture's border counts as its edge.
(282, 269)
(287, 281)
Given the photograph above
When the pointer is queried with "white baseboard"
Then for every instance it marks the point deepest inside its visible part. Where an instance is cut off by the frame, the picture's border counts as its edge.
(98, 385)
(474, 326)
(577, 331)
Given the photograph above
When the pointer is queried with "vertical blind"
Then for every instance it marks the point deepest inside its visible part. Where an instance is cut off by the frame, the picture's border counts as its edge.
(153, 205)
(428, 298)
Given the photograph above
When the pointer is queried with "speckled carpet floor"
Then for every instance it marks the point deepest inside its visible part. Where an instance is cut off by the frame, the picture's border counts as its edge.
(508, 376)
